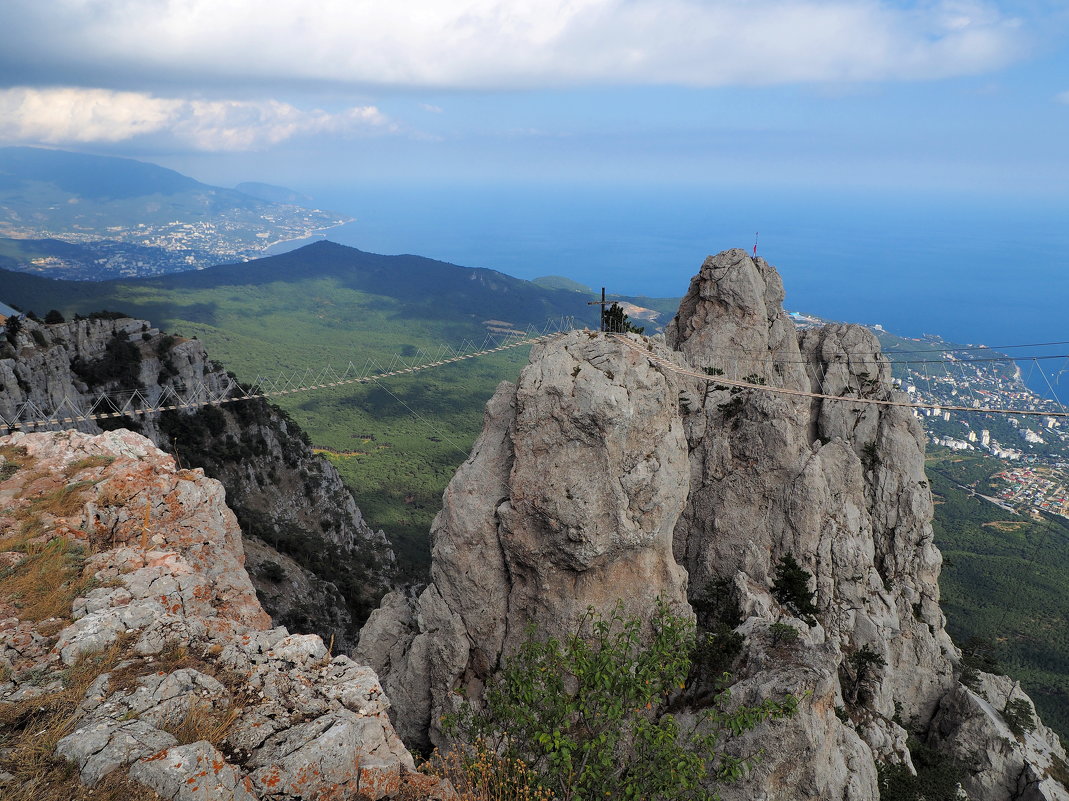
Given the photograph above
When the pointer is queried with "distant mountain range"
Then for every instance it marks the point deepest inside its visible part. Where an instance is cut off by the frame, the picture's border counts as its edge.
(94, 217)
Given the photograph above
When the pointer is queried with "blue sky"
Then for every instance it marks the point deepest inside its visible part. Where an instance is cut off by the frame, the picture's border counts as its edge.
(950, 96)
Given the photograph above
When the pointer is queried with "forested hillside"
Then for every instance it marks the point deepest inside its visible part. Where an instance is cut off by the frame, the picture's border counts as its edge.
(1005, 582)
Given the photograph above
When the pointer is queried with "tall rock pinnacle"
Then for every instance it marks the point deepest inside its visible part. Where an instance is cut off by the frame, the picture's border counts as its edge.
(620, 467)
(568, 500)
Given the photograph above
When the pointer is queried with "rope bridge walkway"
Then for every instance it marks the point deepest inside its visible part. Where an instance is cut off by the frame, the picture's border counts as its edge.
(221, 389)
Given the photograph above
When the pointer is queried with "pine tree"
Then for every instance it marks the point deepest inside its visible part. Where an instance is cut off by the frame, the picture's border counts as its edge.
(791, 588)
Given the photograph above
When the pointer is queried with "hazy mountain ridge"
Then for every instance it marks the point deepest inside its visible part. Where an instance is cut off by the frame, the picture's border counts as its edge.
(118, 207)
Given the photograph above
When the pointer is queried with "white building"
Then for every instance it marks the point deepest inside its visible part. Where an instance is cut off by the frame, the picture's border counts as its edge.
(1031, 436)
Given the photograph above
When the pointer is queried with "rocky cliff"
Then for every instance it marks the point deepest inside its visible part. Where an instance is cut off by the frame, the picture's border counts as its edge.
(135, 659)
(317, 566)
(618, 468)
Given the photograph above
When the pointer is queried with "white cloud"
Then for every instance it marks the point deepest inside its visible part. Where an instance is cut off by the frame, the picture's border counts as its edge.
(70, 115)
(1062, 98)
(430, 107)
(509, 43)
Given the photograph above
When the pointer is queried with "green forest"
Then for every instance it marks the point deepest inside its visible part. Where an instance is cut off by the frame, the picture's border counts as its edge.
(1005, 580)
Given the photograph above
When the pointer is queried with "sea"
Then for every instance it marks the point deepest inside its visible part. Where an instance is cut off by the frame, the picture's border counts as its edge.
(971, 269)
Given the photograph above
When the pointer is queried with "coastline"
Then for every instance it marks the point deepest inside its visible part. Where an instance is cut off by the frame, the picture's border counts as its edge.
(304, 239)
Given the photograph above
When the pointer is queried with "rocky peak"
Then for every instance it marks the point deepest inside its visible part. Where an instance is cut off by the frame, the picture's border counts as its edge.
(607, 443)
(732, 318)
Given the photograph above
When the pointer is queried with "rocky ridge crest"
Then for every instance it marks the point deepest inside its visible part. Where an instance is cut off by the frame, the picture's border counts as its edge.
(604, 476)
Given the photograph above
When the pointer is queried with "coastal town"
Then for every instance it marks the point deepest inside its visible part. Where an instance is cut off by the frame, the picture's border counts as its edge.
(1042, 488)
(72, 238)
(944, 377)
(1034, 447)
(147, 249)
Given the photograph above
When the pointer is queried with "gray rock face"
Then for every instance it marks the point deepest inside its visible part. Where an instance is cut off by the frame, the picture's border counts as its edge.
(621, 468)
(1005, 763)
(170, 771)
(568, 500)
(198, 697)
(286, 497)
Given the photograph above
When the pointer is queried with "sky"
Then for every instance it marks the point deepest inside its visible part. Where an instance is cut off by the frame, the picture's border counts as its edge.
(944, 96)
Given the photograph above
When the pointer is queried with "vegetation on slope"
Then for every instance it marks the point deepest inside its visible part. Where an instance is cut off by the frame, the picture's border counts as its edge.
(396, 444)
(589, 714)
(1005, 581)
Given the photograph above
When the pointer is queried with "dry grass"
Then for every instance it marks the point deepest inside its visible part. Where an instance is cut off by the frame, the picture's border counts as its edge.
(87, 463)
(46, 582)
(61, 502)
(15, 458)
(113, 493)
(478, 774)
(61, 783)
(30, 730)
(203, 721)
(15, 453)
(177, 657)
(1006, 525)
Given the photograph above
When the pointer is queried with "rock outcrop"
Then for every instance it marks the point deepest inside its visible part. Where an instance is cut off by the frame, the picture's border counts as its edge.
(620, 468)
(187, 688)
(569, 500)
(317, 565)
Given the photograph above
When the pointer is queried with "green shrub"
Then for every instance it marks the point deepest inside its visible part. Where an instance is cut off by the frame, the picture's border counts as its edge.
(782, 633)
(587, 713)
(272, 571)
(863, 664)
(938, 776)
(120, 364)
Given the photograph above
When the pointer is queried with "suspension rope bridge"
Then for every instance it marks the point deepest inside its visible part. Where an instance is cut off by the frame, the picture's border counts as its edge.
(217, 389)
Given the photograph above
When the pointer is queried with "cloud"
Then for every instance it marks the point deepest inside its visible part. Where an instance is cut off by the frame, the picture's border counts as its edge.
(430, 107)
(505, 43)
(68, 115)
(1062, 98)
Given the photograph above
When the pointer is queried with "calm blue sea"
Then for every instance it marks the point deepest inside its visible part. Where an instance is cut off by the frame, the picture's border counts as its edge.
(974, 270)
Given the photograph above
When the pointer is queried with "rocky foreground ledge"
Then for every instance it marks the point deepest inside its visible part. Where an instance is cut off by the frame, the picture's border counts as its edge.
(132, 644)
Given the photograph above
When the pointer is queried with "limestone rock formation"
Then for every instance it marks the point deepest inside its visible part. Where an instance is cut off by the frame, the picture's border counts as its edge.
(315, 562)
(568, 500)
(187, 688)
(621, 467)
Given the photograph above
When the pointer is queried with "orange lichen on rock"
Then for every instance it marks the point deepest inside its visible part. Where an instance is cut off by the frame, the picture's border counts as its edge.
(203, 675)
